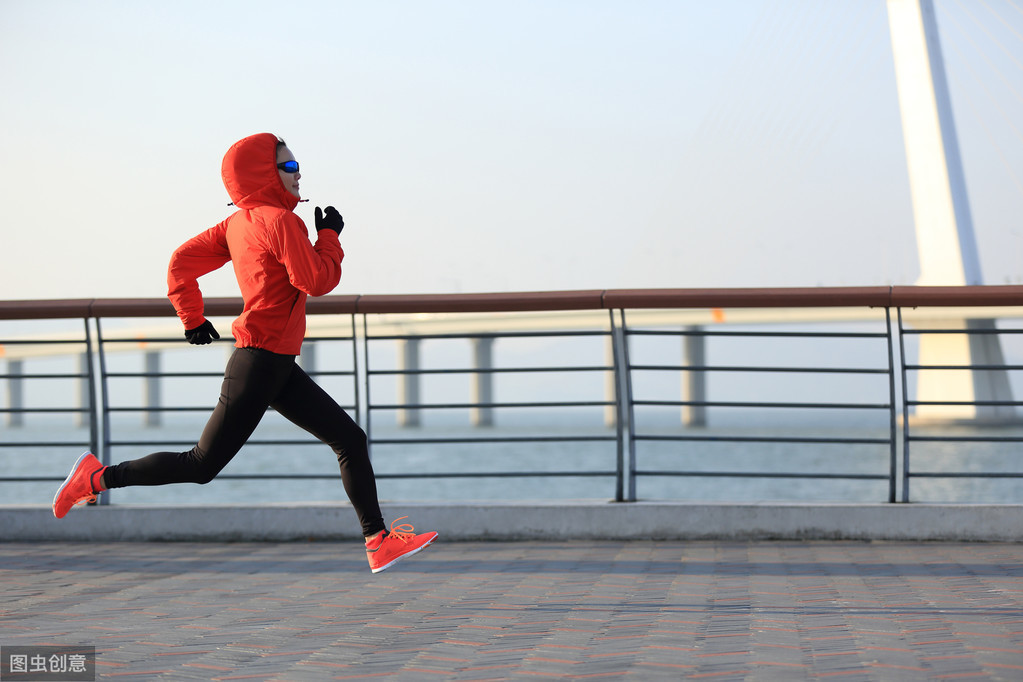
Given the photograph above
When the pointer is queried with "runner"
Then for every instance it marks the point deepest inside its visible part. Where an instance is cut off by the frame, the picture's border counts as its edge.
(277, 267)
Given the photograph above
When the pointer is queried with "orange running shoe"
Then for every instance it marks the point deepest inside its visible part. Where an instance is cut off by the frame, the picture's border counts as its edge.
(80, 487)
(392, 546)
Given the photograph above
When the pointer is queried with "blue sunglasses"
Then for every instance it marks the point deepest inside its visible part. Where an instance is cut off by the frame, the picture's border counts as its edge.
(289, 166)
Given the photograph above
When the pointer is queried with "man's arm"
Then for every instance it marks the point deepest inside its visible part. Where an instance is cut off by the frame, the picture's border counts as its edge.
(198, 256)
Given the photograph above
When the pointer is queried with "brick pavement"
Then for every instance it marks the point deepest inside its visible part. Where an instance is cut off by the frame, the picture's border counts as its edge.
(524, 610)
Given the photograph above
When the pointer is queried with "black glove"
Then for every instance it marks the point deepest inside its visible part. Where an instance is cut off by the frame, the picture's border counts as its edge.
(203, 334)
(331, 221)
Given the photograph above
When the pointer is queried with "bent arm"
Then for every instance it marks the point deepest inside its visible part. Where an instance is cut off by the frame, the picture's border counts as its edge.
(198, 256)
(312, 268)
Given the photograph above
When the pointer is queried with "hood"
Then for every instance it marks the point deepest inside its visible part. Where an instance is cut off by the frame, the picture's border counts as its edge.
(250, 174)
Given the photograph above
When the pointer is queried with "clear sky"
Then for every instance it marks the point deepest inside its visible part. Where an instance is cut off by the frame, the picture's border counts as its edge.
(497, 146)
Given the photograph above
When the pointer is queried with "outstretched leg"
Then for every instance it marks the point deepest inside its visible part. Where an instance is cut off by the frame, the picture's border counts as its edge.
(309, 406)
(251, 380)
(304, 403)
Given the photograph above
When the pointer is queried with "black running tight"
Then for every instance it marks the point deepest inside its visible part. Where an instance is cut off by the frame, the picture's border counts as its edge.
(253, 381)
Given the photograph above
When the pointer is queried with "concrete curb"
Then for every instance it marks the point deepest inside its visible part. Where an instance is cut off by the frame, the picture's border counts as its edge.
(584, 520)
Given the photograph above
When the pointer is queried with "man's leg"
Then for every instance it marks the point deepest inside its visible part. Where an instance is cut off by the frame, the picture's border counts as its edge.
(304, 403)
(251, 380)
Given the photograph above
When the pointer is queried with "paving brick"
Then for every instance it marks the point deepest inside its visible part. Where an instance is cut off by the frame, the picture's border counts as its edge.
(489, 611)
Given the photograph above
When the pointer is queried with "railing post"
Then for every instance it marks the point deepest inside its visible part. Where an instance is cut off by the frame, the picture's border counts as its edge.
(357, 415)
(616, 340)
(905, 410)
(104, 406)
(151, 389)
(626, 415)
(87, 394)
(367, 375)
(694, 382)
(893, 468)
(482, 381)
(408, 384)
(15, 392)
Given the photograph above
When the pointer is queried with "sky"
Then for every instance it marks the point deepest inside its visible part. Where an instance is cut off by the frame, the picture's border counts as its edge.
(478, 146)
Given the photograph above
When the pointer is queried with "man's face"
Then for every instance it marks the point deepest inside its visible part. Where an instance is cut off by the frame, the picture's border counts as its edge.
(289, 180)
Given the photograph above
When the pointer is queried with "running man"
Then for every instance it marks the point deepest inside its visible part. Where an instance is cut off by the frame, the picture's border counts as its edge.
(277, 267)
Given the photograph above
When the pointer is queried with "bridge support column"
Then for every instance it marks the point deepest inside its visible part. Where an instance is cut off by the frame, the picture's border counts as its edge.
(408, 384)
(307, 358)
(151, 390)
(482, 381)
(694, 383)
(15, 393)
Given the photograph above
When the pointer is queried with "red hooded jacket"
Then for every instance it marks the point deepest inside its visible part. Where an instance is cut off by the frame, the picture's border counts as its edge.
(274, 261)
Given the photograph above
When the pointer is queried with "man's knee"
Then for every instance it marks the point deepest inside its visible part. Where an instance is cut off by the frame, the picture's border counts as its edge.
(354, 444)
(360, 440)
(204, 476)
(202, 469)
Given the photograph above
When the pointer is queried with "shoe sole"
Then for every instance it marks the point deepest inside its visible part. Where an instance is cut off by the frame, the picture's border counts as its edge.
(417, 550)
(67, 480)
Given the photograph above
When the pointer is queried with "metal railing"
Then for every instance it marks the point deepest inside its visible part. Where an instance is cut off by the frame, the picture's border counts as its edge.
(488, 404)
(886, 406)
(909, 435)
(622, 321)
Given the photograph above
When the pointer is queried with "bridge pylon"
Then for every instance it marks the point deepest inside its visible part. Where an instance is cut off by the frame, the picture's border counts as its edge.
(945, 237)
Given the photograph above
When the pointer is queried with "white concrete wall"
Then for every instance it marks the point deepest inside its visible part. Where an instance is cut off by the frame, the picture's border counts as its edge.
(526, 521)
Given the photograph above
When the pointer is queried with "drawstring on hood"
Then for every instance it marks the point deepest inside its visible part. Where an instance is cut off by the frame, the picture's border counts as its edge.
(250, 174)
(301, 201)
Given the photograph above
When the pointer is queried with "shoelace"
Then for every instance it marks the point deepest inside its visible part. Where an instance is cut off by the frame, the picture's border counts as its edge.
(404, 532)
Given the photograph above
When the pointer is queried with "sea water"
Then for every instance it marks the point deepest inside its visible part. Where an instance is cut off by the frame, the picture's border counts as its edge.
(415, 471)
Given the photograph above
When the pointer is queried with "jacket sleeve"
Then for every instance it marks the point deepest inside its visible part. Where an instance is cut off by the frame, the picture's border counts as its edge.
(312, 268)
(201, 254)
